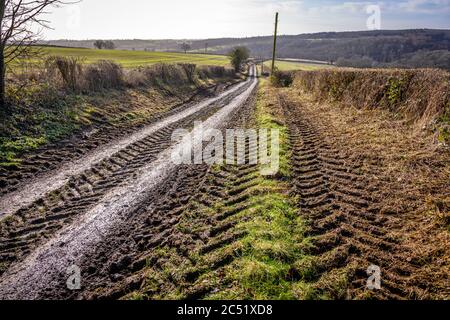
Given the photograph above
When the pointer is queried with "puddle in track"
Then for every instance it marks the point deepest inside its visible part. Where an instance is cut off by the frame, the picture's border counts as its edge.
(39, 187)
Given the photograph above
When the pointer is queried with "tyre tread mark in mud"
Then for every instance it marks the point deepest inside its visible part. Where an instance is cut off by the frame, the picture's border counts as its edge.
(192, 195)
(56, 209)
(50, 157)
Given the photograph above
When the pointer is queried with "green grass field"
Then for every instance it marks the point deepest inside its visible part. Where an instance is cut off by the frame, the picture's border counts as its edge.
(132, 59)
(291, 66)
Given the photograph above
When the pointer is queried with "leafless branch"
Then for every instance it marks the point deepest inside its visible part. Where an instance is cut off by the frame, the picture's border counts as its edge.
(19, 20)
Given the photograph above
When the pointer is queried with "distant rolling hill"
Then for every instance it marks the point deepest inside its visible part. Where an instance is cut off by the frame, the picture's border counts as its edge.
(383, 48)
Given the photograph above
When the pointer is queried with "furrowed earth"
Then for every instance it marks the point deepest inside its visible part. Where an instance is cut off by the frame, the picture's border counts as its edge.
(357, 187)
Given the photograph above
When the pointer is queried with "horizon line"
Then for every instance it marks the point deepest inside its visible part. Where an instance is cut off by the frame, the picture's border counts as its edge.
(254, 36)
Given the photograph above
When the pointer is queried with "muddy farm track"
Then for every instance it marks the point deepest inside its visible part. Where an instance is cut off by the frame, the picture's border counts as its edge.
(103, 181)
(140, 227)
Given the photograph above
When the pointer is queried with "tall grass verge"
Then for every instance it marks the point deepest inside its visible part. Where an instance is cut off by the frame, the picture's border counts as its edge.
(56, 99)
(421, 96)
(275, 238)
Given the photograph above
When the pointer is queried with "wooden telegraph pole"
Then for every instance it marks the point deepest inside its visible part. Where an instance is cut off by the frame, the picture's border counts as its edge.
(275, 43)
(262, 65)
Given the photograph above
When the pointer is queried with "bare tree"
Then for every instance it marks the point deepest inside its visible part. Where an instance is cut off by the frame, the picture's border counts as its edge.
(185, 47)
(21, 22)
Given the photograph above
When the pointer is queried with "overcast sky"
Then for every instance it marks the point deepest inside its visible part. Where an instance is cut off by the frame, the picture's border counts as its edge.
(178, 19)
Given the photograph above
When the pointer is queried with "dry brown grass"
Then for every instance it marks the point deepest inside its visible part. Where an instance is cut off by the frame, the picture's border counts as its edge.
(421, 97)
(413, 171)
(174, 74)
(102, 75)
(71, 74)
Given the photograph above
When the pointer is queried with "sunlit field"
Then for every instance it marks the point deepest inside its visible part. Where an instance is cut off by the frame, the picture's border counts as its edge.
(132, 59)
(291, 66)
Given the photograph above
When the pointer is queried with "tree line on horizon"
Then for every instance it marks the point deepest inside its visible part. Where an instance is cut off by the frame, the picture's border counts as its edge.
(104, 44)
(401, 48)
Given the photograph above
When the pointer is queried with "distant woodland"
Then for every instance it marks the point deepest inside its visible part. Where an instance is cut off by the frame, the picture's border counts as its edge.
(384, 48)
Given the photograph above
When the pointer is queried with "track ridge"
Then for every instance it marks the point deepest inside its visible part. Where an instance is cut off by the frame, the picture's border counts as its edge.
(51, 157)
(99, 191)
(34, 224)
(23, 195)
(341, 202)
(194, 238)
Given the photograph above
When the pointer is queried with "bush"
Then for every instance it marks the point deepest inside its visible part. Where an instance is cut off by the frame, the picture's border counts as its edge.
(281, 78)
(174, 74)
(419, 96)
(161, 73)
(214, 72)
(238, 56)
(70, 74)
(75, 77)
(103, 75)
(190, 70)
(69, 68)
(100, 44)
(136, 78)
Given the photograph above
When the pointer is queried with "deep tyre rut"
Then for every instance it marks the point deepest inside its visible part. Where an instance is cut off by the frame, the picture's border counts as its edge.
(341, 197)
(52, 157)
(174, 229)
(32, 227)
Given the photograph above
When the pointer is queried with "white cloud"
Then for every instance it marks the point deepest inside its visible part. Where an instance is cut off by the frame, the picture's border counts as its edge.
(401, 6)
(345, 7)
(424, 6)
